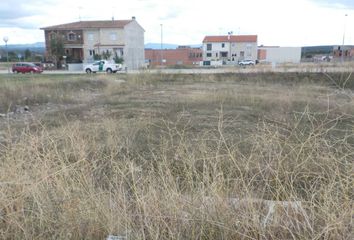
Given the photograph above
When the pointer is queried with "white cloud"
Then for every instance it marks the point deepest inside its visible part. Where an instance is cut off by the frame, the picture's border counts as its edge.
(276, 22)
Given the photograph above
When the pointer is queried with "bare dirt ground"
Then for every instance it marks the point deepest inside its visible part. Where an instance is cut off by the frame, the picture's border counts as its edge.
(243, 98)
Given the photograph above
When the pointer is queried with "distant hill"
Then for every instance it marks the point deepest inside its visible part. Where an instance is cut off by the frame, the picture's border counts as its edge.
(30, 45)
(168, 45)
(38, 47)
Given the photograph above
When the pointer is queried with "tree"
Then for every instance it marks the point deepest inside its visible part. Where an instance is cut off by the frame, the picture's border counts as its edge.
(97, 57)
(118, 60)
(12, 56)
(57, 49)
(28, 54)
(106, 54)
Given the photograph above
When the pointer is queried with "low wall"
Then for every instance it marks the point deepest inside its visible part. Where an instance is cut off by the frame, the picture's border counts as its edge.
(75, 67)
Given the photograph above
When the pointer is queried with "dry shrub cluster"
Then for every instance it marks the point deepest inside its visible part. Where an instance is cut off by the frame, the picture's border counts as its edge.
(201, 157)
(20, 90)
(162, 180)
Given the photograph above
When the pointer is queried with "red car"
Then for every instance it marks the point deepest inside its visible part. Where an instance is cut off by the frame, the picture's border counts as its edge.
(26, 67)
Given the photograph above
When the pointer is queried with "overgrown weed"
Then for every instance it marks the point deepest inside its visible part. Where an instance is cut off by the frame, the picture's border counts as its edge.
(201, 168)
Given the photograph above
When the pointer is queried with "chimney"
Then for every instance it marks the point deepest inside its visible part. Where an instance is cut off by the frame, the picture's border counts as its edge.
(133, 18)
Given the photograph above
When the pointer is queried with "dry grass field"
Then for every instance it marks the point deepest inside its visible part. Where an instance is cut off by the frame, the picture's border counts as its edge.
(177, 156)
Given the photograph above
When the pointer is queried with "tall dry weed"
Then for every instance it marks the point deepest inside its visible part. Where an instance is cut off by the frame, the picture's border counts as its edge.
(162, 181)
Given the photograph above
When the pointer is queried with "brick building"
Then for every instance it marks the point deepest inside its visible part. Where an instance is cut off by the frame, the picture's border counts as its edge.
(346, 51)
(183, 55)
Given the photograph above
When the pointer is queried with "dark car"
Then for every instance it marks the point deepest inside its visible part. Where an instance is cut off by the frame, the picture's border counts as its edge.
(26, 67)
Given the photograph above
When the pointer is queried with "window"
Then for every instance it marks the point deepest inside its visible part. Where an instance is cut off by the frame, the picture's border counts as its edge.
(223, 45)
(224, 54)
(208, 54)
(216, 55)
(90, 36)
(209, 47)
(71, 36)
(242, 54)
(113, 36)
(53, 36)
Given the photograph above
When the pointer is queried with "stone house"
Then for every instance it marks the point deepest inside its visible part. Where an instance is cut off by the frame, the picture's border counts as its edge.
(85, 41)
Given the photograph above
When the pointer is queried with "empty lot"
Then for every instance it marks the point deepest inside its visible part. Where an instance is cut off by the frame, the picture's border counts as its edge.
(177, 156)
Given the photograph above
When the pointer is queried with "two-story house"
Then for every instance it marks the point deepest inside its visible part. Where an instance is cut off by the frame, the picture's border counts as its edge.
(85, 41)
(229, 49)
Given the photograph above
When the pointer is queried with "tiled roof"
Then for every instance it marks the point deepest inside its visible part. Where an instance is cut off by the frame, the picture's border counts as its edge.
(232, 38)
(89, 24)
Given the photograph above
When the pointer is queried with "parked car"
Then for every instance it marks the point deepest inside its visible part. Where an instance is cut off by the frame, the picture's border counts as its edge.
(26, 67)
(246, 62)
(103, 66)
(39, 65)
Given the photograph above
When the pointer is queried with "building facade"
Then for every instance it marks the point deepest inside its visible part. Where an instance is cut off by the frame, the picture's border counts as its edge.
(275, 54)
(182, 56)
(85, 41)
(343, 53)
(229, 49)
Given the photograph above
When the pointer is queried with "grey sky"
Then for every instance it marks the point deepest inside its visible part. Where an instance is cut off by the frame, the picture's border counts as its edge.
(344, 4)
(276, 22)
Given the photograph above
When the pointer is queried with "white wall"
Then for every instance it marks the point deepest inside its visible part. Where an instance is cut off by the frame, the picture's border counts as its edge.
(283, 54)
(134, 51)
(103, 37)
(131, 39)
(75, 66)
(90, 42)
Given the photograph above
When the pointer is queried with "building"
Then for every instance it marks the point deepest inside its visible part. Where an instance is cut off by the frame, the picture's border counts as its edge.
(229, 49)
(85, 41)
(343, 53)
(183, 56)
(275, 54)
(336, 53)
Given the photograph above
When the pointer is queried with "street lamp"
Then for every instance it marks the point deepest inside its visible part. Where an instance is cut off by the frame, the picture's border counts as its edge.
(229, 38)
(161, 45)
(6, 39)
(345, 23)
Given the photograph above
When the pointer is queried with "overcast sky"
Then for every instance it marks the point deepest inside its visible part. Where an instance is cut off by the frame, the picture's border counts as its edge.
(276, 22)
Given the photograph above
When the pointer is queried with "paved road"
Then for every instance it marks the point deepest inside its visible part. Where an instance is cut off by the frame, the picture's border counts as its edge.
(252, 69)
(51, 72)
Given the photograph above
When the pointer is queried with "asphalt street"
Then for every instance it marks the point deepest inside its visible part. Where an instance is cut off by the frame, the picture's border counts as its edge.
(237, 69)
